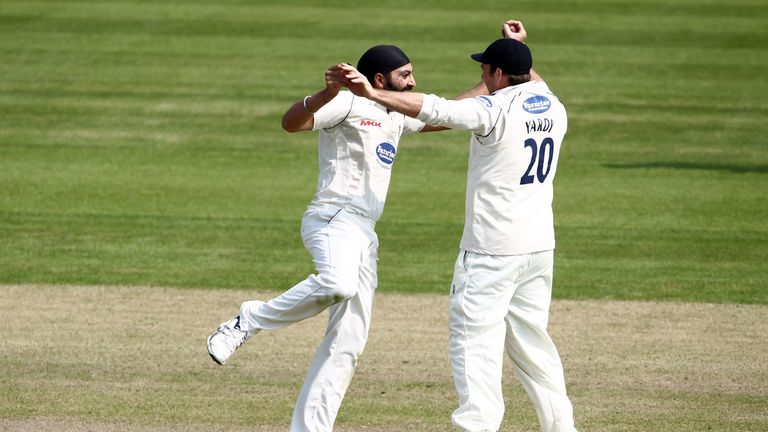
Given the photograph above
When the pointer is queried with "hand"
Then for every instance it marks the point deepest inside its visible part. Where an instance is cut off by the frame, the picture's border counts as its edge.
(356, 82)
(513, 29)
(334, 79)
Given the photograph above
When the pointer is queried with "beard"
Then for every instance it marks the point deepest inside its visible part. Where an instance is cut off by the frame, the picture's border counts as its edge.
(389, 86)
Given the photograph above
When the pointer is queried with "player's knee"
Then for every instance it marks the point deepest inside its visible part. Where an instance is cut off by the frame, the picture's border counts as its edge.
(337, 288)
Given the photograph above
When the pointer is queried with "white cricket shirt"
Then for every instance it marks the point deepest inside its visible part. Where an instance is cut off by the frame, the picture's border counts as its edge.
(356, 150)
(516, 137)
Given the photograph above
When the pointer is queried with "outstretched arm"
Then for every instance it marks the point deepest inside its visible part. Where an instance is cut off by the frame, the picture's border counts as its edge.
(408, 103)
(300, 116)
(467, 114)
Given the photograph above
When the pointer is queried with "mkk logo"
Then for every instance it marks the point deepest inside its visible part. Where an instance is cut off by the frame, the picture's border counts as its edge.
(386, 153)
(370, 123)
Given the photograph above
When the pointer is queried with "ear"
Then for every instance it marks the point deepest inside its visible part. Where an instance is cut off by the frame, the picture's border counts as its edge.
(499, 76)
(379, 81)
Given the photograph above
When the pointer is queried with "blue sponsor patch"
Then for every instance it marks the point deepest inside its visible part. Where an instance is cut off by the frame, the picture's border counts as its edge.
(486, 101)
(386, 153)
(536, 104)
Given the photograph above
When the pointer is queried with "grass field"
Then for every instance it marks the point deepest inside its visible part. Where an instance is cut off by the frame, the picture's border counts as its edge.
(140, 142)
(140, 145)
(133, 359)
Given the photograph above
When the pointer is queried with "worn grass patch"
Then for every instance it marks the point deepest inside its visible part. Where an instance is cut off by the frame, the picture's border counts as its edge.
(80, 358)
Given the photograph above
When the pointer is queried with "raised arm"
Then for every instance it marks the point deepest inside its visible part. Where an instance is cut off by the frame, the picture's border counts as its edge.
(510, 29)
(513, 29)
(300, 116)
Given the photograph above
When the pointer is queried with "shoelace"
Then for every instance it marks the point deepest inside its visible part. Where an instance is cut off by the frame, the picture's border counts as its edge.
(234, 338)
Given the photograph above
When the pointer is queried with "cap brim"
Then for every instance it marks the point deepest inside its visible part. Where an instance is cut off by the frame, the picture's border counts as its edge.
(477, 57)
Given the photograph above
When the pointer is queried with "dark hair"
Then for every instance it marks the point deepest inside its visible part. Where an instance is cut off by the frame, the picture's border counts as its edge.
(512, 80)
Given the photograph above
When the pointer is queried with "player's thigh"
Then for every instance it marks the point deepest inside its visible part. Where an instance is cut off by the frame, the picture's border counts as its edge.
(533, 295)
(336, 243)
(482, 286)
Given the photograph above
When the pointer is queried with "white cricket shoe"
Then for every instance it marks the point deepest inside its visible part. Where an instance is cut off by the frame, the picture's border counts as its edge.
(224, 341)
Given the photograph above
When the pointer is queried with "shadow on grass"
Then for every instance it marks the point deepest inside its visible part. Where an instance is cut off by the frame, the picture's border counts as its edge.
(763, 169)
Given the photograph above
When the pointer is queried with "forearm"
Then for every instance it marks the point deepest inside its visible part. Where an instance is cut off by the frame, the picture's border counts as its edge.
(299, 116)
(407, 103)
(438, 112)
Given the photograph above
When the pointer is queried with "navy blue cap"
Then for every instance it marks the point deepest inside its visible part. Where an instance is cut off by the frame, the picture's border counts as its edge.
(512, 56)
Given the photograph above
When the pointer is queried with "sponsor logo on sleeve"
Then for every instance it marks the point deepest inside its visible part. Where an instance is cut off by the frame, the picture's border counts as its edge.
(536, 104)
(386, 153)
(370, 123)
(485, 100)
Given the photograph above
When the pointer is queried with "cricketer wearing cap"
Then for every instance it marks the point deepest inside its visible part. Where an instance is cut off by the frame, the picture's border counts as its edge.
(357, 147)
(501, 289)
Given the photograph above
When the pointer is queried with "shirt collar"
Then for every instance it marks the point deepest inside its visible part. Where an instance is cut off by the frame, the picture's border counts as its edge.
(513, 88)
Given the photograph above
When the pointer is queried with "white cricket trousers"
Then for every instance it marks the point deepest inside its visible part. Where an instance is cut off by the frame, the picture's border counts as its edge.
(502, 303)
(344, 247)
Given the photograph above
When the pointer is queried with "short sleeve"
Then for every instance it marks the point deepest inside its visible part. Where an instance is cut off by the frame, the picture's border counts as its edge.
(334, 112)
